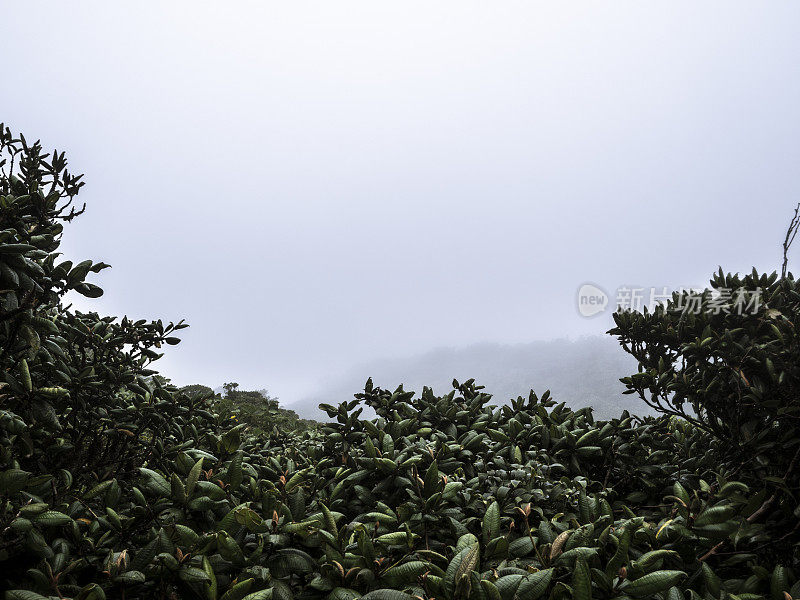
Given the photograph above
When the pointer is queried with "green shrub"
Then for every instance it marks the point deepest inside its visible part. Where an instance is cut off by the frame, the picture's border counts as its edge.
(734, 374)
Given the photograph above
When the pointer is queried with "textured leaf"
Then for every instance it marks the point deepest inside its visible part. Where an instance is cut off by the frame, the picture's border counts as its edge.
(405, 573)
(581, 581)
(653, 583)
(387, 595)
(155, 483)
(194, 475)
(52, 518)
(491, 522)
(23, 595)
(533, 586)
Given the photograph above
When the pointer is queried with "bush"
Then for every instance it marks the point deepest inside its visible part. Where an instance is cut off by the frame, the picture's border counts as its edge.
(733, 371)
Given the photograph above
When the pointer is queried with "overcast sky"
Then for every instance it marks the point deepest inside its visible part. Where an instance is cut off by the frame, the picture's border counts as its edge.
(316, 185)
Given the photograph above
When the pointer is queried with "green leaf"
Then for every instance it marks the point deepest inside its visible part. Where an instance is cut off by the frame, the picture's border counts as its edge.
(715, 515)
(260, 595)
(405, 573)
(581, 581)
(653, 583)
(491, 522)
(25, 374)
(249, 518)
(431, 482)
(91, 592)
(211, 588)
(329, 523)
(492, 593)
(341, 593)
(194, 475)
(234, 472)
(238, 590)
(193, 575)
(89, 290)
(387, 595)
(52, 518)
(155, 483)
(24, 595)
(461, 566)
(779, 582)
(13, 480)
(98, 489)
(533, 586)
(130, 577)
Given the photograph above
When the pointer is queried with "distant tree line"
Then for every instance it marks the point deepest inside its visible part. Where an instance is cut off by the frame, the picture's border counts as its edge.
(255, 408)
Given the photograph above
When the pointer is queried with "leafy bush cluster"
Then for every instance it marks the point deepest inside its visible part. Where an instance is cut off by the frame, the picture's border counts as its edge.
(115, 484)
(259, 410)
(734, 374)
(255, 408)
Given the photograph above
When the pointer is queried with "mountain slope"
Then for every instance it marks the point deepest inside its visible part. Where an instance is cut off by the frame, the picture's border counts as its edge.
(580, 372)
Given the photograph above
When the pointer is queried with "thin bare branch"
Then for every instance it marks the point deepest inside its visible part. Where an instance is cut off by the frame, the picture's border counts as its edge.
(790, 235)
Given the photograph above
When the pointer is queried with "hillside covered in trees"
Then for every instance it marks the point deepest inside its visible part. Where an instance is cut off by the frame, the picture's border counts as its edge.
(581, 372)
(255, 408)
(116, 484)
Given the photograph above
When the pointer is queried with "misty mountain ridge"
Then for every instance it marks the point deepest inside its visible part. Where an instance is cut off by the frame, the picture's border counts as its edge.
(581, 372)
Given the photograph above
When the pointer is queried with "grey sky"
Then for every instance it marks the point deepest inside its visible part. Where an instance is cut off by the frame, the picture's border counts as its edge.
(315, 185)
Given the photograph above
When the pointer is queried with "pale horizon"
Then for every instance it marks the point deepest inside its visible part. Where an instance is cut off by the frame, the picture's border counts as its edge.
(320, 186)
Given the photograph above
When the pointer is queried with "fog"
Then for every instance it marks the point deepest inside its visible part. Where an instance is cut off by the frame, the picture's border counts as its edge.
(318, 188)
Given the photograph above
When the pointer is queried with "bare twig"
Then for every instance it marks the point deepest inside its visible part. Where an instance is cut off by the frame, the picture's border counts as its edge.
(787, 242)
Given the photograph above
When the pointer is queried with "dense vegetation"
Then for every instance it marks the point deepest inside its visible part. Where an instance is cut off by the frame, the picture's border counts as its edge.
(114, 483)
(255, 408)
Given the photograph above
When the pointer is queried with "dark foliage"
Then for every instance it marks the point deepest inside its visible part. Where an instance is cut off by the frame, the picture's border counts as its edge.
(734, 374)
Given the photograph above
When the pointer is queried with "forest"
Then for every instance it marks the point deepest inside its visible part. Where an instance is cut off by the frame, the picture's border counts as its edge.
(114, 483)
